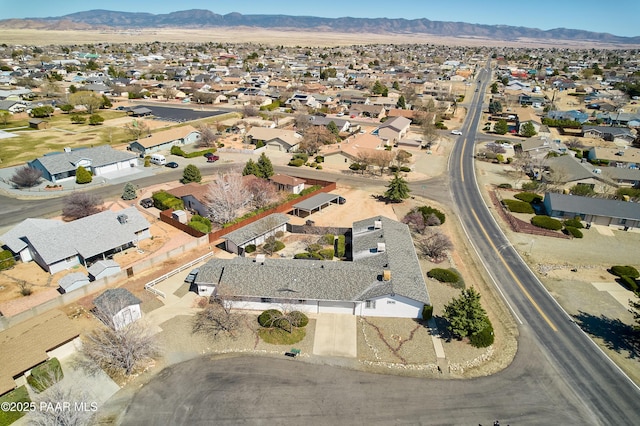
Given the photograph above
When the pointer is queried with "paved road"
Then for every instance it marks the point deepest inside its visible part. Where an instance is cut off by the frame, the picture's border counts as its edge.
(604, 391)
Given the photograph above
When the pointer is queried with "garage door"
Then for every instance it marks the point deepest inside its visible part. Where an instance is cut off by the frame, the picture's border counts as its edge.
(336, 307)
(274, 147)
(106, 169)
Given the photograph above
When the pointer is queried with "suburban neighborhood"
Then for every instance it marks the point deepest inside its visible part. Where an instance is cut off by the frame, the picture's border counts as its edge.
(165, 201)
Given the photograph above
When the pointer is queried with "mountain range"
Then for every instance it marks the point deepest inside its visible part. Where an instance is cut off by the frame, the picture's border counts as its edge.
(198, 18)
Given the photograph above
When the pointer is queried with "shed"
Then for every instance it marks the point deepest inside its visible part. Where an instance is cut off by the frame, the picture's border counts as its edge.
(103, 268)
(180, 216)
(72, 282)
(38, 123)
(117, 308)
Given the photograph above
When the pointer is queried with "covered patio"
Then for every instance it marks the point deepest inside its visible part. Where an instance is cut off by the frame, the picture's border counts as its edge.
(314, 204)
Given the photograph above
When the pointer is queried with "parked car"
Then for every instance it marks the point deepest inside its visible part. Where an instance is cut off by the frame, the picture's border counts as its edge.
(212, 159)
(342, 200)
(209, 154)
(192, 276)
(456, 132)
(146, 202)
(172, 165)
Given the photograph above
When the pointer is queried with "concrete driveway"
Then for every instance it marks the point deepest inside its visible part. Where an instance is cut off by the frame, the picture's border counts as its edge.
(335, 335)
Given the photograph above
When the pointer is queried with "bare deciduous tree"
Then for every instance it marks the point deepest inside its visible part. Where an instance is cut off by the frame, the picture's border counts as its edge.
(263, 193)
(415, 221)
(249, 111)
(302, 122)
(169, 93)
(90, 100)
(137, 129)
(216, 318)
(434, 245)
(122, 351)
(382, 159)
(52, 412)
(314, 137)
(208, 136)
(403, 157)
(26, 177)
(81, 204)
(496, 148)
(227, 196)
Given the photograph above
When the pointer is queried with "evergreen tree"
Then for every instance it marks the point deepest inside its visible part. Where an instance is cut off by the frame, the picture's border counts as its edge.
(402, 104)
(494, 88)
(501, 127)
(396, 85)
(333, 128)
(251, 168)
(265, 166)
(191, 174)
(465, 314)
(379, 89)
(398, 189)
(129, 192)
(83, 175)
(528, 130)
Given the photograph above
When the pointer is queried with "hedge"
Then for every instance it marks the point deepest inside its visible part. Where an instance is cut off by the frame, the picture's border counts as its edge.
(546, 222)
(629, 283)
(427, 211)
(341, 246)
(44, 375)
(250, 248)
(427, 312)
(199, 226)
(573, 231)
(296, 163)
(326, 254)
(6, 260)
(528, 197)
(517, 206)
(176, 150)
(328, 238)
(162, 200)
(483, 338)
(267, 318)
(307, 255)
(309, 190)
(443, 275)
(621, 271)
(575, 223)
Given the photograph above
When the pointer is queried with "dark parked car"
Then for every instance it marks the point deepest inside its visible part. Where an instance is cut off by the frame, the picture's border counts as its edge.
(212, 159)
(146, 202)
(172, 165)
(342, 200)
(192, 276)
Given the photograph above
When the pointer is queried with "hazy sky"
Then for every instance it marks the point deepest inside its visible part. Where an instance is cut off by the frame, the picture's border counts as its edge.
(619, 17)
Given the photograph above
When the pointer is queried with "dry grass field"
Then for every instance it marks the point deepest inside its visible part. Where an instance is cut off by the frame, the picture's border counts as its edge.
(292, 37)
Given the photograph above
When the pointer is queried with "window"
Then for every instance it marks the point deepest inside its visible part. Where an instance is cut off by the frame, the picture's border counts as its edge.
(391, 302)
(370, 304)
(265, 300)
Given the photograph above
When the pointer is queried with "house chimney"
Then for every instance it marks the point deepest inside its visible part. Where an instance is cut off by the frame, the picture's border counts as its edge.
(381, 247)
(386, 275)
(377, 224)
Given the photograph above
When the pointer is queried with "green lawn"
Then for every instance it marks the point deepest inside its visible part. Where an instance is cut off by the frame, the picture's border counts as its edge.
(18, 395)
(277, 336)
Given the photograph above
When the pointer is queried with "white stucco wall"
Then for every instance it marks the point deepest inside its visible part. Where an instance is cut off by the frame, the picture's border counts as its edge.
(392, 306)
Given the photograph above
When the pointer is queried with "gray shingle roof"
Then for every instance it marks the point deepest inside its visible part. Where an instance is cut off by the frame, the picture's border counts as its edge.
(89, 236)
(70, 279)
(257, 228)
(335, 281)
(593, 206)
(15, 239)
(98, 267)
(99, 156)
(113, 300)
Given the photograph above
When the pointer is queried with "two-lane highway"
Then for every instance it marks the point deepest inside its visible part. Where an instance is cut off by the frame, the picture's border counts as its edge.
(605, 392)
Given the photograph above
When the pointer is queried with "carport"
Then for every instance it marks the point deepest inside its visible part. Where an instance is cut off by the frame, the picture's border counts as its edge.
(314, 204)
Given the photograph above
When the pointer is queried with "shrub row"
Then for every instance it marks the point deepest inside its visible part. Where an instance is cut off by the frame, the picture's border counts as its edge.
(307, 255)
(341, 246)
(575, 222)
(573, 231)
(528, 197)
(176, 150)
(517, 206)
(443, 275)
(546, 222)
(162, 200)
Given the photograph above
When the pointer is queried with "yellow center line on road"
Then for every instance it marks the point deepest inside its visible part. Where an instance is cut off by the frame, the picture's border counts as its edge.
(524, 290)
(464, 142)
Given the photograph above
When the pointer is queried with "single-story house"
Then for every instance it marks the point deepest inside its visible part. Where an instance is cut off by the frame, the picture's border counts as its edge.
(598, 211)
(82, 241)
(612, 134)
(194, 197)
(102, 269)
(352, 149)
(72, 281)
(117, 307)
(287, 183)
(255, 233)
(362, 110)
(30, 343)
(341, 124)
(623, 176)
(100, 160)
(275, 139)
(573, 115)
(620, 157)
(15, 240)
(394, 129)
(540, 146)
(383, 279)
(164, 140)
(12, 106)
(566, 171)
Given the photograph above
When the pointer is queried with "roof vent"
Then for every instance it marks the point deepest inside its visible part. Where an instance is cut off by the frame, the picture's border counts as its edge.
(122, 218)
(260, 259)
(382, 247)
(377, 224)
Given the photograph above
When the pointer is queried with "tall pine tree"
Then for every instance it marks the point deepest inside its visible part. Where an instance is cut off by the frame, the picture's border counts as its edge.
(398, 189)
(265, 166)
(251, 168)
